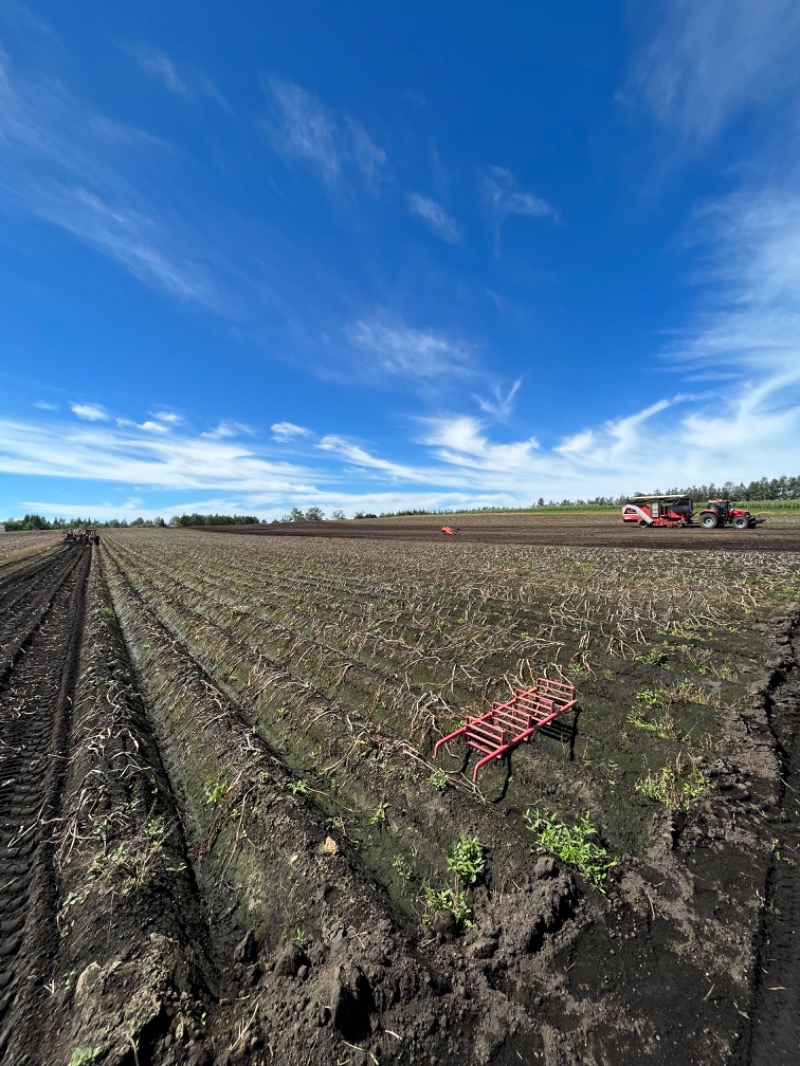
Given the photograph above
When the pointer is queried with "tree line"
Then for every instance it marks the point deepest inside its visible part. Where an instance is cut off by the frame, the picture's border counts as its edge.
(764, 490)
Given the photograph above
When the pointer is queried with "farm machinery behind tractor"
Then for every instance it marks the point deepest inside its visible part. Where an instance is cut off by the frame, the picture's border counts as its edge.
(658, 511)
(678, 511)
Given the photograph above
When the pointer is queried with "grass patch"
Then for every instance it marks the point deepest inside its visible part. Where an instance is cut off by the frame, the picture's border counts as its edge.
(673, 788)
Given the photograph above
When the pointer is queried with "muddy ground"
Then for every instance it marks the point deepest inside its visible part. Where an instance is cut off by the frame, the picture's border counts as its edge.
(157, 847)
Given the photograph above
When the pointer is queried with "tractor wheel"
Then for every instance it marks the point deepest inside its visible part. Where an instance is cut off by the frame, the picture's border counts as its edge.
(741, 522)
(644, 523)
(710, 520)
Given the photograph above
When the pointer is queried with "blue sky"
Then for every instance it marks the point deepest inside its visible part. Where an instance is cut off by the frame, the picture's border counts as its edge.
(381, 256)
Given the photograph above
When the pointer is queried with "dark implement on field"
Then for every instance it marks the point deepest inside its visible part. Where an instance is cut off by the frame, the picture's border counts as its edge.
(511, 723)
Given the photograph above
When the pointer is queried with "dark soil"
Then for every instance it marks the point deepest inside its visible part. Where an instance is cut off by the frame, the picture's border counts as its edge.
(41, 631)
(169, 893)
(563, 530)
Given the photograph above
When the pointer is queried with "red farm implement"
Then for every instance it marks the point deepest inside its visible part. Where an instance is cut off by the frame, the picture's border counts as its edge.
(513, 722)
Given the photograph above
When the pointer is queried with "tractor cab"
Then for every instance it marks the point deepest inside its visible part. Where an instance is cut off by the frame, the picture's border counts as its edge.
(649, 511)
(722, 509)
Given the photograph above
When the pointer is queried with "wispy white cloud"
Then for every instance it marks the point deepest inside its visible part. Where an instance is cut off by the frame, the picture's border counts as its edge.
(358, 456)
(208, 88)
(128, 236)
(750, 285)
(507, 199)
(17, 14)
(709, 61)
(189, 83)
(152, 460)
(396, 350)
(462, 442)
(367, 156)
(57, 153)
(227, 429)
(442, 224)
(90, 412)
(616, 438)
(159, 66)
(501, 403)
(286, 431)
(148, 426)
(304, 128)
(44, 405)
(170, 417)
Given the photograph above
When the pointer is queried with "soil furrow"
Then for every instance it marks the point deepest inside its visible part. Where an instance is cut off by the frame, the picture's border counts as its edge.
(34, 722)
(774, 1037)
(129, 910)
(25, 597)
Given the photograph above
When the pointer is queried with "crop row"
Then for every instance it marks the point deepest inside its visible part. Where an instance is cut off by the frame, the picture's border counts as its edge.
(369, 788)
(317, 642)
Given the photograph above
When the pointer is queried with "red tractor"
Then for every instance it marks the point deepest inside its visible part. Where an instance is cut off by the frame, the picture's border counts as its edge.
(720, 513)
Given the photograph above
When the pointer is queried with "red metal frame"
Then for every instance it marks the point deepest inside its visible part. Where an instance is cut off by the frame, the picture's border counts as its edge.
(515, 721)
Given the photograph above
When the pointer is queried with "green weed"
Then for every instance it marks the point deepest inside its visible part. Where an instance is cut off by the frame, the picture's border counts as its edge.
(653, 699)
(449, 899)
(216, 793)
(672, 788)
(576, 845)
(467, 861)
(654, 657)
(402, 867)
(439, 780)
(85, 1056)
(378, 816)
(299, 788)
(779, 856)
(134, 860)
(664, 727)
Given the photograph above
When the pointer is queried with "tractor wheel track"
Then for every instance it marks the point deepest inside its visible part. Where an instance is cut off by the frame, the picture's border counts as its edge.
(26, 594)
(38, 675)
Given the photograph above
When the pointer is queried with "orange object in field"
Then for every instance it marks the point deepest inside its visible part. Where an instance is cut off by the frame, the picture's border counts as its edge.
(448, 532)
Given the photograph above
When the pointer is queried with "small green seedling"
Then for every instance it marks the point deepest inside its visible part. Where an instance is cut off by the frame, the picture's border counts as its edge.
(453, 900)
(439, 780)
(85, 1056)
(467, 861)
(216, 793)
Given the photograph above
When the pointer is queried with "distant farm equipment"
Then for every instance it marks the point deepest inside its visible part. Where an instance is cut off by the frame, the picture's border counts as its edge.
(678, 511)
(514, 722)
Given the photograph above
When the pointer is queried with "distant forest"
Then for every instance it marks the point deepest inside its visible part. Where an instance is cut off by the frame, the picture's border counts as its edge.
(775, 492)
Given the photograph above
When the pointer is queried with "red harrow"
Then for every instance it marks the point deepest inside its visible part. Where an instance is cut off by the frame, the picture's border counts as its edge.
(511, 723)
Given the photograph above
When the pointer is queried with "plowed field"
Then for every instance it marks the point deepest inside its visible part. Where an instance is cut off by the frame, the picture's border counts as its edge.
(225, 839)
